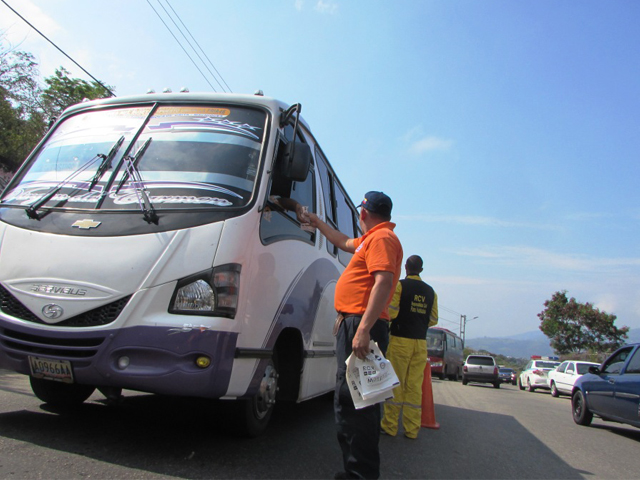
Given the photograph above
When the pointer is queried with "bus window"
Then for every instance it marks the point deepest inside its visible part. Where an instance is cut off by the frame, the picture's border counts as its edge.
(435, 342)
(344, 216)
(327, 187)
(328, 196)
(278, 223)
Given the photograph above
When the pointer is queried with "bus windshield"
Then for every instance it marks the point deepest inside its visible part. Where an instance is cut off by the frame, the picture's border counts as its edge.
(435, 342)
(193, 157)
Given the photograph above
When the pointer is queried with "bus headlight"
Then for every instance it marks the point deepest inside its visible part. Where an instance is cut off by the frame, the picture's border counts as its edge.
(196, 297)
(213, 292)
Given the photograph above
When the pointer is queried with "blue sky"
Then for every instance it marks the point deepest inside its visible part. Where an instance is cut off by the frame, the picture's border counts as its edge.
(507, 133)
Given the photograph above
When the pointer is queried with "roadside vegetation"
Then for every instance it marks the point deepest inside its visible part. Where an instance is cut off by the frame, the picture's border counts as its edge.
(579, 329)
(28, 106)
(576, 331)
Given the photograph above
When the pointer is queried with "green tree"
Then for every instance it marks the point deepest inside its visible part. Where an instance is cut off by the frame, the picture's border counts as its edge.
(19, 80)
(25, 109)
(21, 120)
(574, 327)
(62, 92)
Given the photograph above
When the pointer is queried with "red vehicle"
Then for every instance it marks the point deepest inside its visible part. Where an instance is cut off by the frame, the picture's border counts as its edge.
(445, 352)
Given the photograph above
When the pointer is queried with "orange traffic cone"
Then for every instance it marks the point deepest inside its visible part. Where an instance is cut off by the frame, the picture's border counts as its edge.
(428, 411)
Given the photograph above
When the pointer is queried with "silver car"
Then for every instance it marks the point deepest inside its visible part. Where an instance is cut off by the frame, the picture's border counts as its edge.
(480, 369)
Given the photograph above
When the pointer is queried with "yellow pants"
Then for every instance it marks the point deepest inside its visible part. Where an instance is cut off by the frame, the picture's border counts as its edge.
(409, 359)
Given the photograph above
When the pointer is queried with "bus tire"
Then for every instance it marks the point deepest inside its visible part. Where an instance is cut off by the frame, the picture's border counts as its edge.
(60, 394)
(253, 414)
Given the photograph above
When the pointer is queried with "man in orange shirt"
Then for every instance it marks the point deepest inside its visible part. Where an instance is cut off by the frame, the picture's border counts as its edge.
(362, 296)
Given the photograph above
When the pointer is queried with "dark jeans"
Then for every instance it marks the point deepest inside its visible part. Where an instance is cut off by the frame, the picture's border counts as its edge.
(358, 430)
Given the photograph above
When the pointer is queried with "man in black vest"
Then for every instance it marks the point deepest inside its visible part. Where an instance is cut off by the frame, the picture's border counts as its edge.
(413, 310)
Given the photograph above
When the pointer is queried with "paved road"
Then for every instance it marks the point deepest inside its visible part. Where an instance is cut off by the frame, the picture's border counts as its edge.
(485, 433)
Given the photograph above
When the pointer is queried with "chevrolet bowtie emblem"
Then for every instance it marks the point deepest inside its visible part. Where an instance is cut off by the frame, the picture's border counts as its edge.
(86, 224)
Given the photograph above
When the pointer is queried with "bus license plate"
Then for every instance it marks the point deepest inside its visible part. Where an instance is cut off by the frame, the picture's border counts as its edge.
(51, 369)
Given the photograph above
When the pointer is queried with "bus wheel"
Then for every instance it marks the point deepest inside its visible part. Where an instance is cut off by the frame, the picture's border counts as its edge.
(60, 394)
(255, 412)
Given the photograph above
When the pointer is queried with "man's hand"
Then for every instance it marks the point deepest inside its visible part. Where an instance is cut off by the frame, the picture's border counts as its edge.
(360, 344)
(302, 214)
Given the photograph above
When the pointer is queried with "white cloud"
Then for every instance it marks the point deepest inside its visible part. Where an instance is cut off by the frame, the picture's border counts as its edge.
(326, 7)
(475, 220)
(18, 31)
(453, 280)
(420, 143)
(299, 4)
(607, 302)
(541, 259)
(430, 144)
(587, 216)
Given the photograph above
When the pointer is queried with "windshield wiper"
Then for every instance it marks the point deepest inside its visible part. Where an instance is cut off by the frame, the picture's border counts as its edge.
(32, 210)
(136, 159)
(106, 162)
(148, 212)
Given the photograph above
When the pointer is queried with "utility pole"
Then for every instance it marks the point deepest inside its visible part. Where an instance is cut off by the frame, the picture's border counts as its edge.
(463, 327)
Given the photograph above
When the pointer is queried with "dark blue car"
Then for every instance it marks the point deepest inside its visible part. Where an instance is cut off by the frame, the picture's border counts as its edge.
(611, 391)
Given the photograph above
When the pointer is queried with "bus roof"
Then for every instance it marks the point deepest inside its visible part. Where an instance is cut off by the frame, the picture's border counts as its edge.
(185, 97)
(443, 330)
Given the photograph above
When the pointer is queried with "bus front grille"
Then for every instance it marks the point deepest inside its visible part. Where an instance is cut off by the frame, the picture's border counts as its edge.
(78, 347)
(93, 318)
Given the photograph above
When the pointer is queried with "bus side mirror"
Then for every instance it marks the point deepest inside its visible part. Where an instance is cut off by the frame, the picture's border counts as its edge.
(295, 161)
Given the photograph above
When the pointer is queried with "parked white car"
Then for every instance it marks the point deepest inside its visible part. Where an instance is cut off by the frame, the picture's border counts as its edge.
(535, 374)
(562, 379)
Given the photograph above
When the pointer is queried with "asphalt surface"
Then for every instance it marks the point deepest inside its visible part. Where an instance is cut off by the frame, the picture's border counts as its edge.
(484, 433)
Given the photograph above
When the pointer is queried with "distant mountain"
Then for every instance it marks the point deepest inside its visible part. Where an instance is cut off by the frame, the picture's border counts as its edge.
(519, 346)
(526, 344)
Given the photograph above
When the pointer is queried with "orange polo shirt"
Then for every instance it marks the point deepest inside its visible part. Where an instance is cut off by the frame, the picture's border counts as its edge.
(378, 250)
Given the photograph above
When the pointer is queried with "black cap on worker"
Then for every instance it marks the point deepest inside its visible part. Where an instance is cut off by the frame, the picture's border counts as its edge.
(378, 203)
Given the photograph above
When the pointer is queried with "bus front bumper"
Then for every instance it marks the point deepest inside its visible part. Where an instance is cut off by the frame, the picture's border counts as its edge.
(152, 359)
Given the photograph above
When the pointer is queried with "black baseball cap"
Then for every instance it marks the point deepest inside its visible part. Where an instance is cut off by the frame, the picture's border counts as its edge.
(377, 202)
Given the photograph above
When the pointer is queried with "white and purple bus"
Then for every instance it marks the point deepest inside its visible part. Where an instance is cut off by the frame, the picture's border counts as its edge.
(142, 247)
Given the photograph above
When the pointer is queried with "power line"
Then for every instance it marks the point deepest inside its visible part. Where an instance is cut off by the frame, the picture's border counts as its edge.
(201, 49)
(456, 323)
(183, 49)
(441, 307)
(189, 43)
(59, 49)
